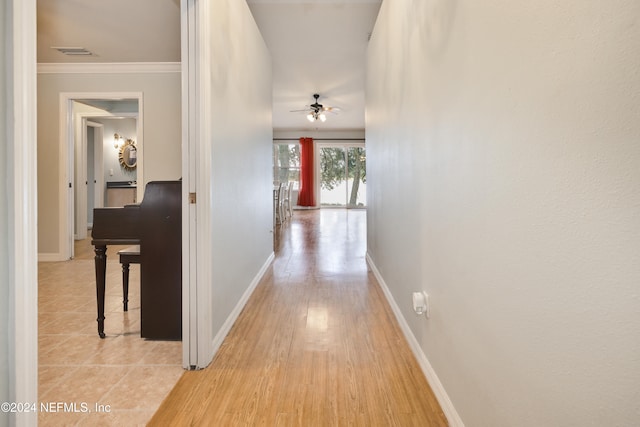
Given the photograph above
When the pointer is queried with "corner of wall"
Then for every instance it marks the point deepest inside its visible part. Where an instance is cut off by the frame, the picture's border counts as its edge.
(50, 257)
(235, 313)
(428, 371)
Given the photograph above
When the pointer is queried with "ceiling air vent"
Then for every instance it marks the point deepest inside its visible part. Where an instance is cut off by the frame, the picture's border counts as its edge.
(73, 50)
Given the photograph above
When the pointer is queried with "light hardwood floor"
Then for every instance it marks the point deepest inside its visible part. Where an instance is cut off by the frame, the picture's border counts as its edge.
(316, 345)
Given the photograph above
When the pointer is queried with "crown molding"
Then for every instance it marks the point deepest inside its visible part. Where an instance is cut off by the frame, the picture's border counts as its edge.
(341, 2)
(109, 68)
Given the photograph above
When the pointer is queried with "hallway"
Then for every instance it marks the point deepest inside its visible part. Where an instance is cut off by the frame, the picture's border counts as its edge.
(316, 344)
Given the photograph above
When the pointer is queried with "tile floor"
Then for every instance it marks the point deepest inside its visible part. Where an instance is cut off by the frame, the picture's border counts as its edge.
(123, 373)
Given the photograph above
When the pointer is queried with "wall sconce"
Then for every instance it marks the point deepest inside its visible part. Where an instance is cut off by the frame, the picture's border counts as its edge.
(119, 141)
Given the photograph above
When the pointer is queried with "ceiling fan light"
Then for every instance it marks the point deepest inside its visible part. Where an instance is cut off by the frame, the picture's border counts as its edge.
(316, 111)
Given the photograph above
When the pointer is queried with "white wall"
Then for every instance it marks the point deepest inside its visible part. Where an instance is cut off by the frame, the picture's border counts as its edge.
(162, 133)
(503, 147)
(239, 183)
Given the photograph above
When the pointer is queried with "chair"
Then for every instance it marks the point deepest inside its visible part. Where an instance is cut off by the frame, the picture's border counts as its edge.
(286, 202)
(279, 196)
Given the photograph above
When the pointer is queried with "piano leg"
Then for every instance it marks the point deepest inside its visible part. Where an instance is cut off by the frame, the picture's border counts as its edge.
(125, 286)
(101, 271)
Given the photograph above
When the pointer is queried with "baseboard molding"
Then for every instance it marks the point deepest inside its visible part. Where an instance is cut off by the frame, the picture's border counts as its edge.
(50, 257)
(233, 316)
(433, 380)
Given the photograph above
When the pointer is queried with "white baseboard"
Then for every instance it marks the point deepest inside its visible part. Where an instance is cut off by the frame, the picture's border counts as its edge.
(51, 257)
(233, 316)
(433, 380)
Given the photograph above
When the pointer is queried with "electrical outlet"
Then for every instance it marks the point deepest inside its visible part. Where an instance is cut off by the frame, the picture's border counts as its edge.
(421, 303)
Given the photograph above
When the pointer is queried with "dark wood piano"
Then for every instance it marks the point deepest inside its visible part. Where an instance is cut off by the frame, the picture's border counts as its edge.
(155, 225)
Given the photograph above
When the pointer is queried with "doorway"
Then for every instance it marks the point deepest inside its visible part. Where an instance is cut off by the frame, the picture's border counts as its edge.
(106, 109)
(342, 175)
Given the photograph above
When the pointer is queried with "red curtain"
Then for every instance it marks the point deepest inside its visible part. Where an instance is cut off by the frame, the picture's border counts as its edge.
(306, 197)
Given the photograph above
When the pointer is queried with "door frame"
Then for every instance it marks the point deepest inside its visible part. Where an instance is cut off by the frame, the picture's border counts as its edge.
(196, 165)
(22, 209)
(81, 120)
(68, 152)
(22, 169)
(98, 166)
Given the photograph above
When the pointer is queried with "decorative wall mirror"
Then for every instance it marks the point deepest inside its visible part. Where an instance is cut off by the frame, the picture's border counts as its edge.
(128, 155)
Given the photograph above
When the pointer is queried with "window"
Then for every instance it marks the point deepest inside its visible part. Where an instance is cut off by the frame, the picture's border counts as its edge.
(343, 176)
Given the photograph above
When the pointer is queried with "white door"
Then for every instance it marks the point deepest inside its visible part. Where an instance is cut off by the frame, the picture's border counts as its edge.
(95, 179)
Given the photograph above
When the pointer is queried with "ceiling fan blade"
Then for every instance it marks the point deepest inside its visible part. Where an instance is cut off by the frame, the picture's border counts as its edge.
(299, 111)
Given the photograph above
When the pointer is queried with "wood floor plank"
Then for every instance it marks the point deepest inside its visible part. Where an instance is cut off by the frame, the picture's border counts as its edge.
(316, 345)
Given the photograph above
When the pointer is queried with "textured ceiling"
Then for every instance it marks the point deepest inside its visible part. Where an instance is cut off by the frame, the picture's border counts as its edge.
(317, 46)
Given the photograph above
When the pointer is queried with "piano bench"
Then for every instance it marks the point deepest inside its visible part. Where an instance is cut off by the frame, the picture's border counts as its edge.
(130, 255)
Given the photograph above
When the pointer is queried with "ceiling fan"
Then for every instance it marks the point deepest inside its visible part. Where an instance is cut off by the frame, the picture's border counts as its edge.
(316, 111)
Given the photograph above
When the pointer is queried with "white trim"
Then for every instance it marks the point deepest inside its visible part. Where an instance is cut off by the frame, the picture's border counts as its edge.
(80, 201)
(51, 257)
(226, 327)
(190, 312)
(309, 1)
(66, 217)
(432, 378)
(23, 211)
(98, 165)
(109, 68)
(200, 170)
